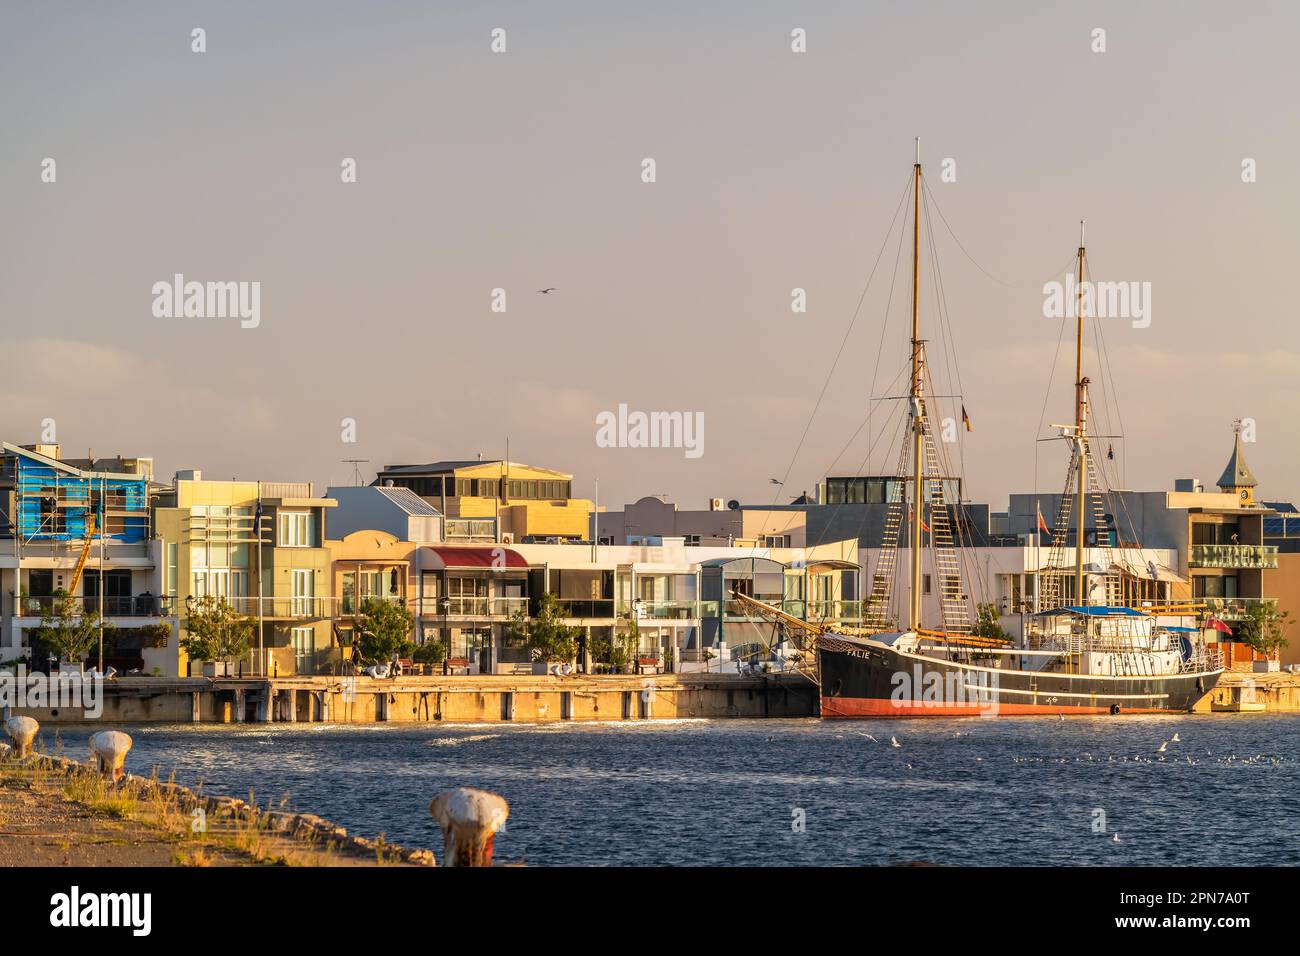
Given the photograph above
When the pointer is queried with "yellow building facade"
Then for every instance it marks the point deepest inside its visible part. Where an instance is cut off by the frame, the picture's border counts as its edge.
(497, 500)
(281, 578)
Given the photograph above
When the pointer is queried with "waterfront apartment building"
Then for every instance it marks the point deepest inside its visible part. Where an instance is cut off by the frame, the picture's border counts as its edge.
(79, 527)
(722, 524)
(279, 574)
(496, 501)
(1282, 531)
(676, 596)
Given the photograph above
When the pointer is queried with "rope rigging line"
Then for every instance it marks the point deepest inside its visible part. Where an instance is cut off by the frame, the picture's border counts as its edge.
(843, 342)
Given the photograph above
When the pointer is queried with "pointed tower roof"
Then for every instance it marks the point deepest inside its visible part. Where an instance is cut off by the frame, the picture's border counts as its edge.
(1237, 474)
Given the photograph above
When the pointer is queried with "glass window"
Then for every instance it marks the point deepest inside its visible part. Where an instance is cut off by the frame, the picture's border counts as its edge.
(297, 530)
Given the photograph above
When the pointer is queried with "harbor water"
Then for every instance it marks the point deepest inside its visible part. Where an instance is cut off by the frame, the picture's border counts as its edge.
(1019, 791)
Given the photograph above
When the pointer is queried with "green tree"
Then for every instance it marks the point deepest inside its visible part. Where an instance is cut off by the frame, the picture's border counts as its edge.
(383, 629)
(986, 623)
(1264, 628)
(66, 630)
(215, 632)
(546, 636)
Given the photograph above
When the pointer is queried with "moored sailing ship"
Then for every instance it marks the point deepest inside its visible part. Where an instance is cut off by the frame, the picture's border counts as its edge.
(1075, 657)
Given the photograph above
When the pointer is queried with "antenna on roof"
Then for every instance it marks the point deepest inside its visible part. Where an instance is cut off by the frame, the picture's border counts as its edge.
(356, 464)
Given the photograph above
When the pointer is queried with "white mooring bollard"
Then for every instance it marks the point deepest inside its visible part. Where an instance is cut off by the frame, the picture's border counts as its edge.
(470, 820)
(22, 731)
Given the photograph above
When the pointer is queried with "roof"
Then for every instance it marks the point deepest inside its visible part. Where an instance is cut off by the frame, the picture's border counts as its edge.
(1094, 610)
(1152, 572)
(1237, 474)
(448, 467)
(438, 466)
(408, 501)
(494, 558)
(746, 563)
(65, 467)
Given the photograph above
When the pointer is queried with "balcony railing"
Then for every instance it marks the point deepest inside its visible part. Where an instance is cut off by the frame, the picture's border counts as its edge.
(586, 608)
(352, 605)
(834, 610)
(1246, 556)
(739, 610)
(284, 607)
(1234, 609)
(820, 610)
(476, 606)
(139, 606)
(669, 610)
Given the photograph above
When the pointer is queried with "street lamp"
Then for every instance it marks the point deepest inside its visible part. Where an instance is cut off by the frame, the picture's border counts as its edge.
(444, 605)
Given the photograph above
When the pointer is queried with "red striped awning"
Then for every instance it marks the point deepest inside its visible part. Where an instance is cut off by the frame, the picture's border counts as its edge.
(488, 558)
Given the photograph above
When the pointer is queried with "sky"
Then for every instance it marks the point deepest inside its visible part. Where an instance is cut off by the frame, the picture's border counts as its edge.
(522, 170)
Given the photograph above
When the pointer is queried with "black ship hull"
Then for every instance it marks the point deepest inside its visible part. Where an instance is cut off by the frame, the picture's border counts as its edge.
(874, 680)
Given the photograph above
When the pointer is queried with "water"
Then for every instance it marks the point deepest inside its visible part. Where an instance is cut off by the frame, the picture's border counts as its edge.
(1021, 791)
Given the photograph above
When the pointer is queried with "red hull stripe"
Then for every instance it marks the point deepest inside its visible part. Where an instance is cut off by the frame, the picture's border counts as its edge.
(868, 707)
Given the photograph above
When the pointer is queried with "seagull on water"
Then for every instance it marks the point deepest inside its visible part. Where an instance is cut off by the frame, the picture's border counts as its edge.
(1115, 838)
(869, 737)
(1163, 745)
(1175, 738)
(893, 742)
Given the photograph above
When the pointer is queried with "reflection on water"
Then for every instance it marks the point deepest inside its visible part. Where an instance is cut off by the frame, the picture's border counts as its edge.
(1016, 791)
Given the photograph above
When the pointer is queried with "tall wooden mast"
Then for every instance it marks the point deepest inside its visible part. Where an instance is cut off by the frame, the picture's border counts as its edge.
(1080, 434)
(917, 399)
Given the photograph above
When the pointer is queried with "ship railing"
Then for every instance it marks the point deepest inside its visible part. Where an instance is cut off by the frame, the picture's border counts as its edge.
(1203, 659)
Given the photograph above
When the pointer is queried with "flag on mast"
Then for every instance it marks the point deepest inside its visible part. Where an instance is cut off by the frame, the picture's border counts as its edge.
(1216, 624)
(1042, 525)
(965, 419)
(924, 527)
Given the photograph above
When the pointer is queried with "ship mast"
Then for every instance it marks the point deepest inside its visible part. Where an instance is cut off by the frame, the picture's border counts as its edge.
(1080, 433)
(917, 400)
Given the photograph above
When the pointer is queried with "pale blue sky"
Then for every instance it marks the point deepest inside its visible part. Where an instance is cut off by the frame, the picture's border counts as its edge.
(521, 171)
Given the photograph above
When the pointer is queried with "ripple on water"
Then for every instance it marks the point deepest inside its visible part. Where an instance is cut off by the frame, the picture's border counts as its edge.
(695, 792)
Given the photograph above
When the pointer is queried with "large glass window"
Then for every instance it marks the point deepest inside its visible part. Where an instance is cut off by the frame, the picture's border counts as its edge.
(297, 529)
(304, 589)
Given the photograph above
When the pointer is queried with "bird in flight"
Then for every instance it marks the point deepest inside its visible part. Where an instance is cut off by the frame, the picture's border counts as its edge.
(547, 291)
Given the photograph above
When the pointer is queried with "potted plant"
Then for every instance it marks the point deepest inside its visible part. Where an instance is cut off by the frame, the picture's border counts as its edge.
(429, 655)
(670, 658)
(215, 635)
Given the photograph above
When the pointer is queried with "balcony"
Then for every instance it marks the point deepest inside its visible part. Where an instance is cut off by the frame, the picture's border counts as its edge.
(284, 608)
(475, 606)
(1234, 609)
(352, 605)
(1244, 556)
(668, 610)
(586, 608)
(834, 610)
(819, 610)
(734, 610)
(139, 606)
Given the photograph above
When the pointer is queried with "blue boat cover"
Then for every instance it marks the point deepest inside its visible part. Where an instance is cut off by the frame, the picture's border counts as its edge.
(1096, 610)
